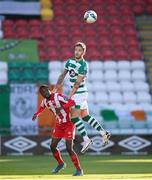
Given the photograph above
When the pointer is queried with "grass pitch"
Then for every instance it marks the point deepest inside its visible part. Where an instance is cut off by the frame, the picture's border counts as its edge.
(95, 167)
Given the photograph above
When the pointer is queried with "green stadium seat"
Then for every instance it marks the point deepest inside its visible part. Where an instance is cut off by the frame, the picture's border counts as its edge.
(109, 115)
(27, 76)
(41, 66)
(15, 65)
(14, 76)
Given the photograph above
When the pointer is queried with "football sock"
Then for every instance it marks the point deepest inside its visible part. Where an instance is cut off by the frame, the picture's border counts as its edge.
(75, 160)
(57, 156)
(94, 123)
(80, 126)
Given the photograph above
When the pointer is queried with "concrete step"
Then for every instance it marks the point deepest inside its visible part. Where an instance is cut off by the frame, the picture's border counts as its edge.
(149, 58)
(145, 32)
(149, 64)
(147, 48)
(146, 43)
(145, 37)
(148, 53)
(144, 27)
(143, 17)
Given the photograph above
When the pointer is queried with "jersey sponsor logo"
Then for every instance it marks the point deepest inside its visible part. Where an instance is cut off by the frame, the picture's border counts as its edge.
(72, 73)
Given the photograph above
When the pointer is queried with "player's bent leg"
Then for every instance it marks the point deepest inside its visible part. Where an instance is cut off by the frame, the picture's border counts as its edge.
(75, 113)
(74, 158)
(57, 155)
(95, 124)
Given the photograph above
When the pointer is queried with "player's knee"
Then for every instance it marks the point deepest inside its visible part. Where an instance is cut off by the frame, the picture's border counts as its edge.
(69, 150)
(52, 147)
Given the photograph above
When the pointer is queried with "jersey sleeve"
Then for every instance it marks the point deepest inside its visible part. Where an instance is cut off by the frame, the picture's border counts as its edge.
(62, 98)
(83, 70)
(41, 108)
(42, 104)
(66, 66)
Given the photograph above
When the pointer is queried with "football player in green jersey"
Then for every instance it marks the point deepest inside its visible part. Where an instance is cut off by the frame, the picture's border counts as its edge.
(77, 68)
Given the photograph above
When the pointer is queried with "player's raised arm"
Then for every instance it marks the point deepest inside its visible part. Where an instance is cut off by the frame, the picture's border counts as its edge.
(40, 110)
(60, 80)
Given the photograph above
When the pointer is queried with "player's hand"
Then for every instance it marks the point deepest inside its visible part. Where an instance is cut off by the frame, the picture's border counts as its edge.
(58, 110)
(34, 117)
(54, 90)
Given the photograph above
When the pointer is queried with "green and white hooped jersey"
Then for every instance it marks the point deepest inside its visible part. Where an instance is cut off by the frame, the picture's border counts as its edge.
(75, 69)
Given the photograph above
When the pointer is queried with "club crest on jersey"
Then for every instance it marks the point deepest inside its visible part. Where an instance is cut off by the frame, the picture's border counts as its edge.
(72, 73)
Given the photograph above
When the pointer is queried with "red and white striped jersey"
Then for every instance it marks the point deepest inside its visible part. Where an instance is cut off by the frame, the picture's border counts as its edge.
(56, 101)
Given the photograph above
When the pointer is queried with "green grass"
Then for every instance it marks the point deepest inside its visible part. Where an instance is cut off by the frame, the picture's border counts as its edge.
(95, 167)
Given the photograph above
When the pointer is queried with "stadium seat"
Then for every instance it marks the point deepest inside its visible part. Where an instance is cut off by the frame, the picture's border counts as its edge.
(53, 76)
(96, 75)
(91, 98)
(96, 65)
(98, 86)
(3, 78)
(112, 86)
(143, 97)
(124, 75)
(126, 86)
(110, 65)
(138, 75)
(101, 97)
(3, 66)
(129, 97)
(141, 86)
(123, 65)
(55, 65)
(115, 97)
(110, 75)
(137, 65)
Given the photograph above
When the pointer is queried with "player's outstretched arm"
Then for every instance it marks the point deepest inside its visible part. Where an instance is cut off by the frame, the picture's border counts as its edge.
(41, 109)
(60, 80)
(76, 86)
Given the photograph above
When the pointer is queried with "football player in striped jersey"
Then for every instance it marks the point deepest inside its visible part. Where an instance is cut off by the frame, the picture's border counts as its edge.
(64, 128)
(77, 68)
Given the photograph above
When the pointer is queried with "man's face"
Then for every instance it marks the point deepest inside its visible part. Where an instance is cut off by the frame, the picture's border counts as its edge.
(45, 92)
(78, 52)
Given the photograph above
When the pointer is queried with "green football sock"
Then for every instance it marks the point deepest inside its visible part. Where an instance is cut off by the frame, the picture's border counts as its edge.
(79, 125)
(94, 123)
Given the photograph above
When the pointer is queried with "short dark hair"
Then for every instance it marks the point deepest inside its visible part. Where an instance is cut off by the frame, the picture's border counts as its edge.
(43, 86)
(82, 45)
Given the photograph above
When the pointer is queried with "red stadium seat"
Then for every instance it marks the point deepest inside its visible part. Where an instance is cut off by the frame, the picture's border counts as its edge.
(135, 53)
(132, 43)
(117, 32)
(43, 55)
(106, 44)
(21, 23)
(119, 43)
(35, 23)
(107, 54)
(139, 9)
(125, 2)
(22, 33)
(130, 31)
(103, 31)
(8, 23)
(114, 21)
(121, 54)
(9, 34)
(141, 2)
(149, 9)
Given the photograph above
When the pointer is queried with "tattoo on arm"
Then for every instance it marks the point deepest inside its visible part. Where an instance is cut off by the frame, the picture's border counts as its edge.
(76, 85)
(61, 77)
